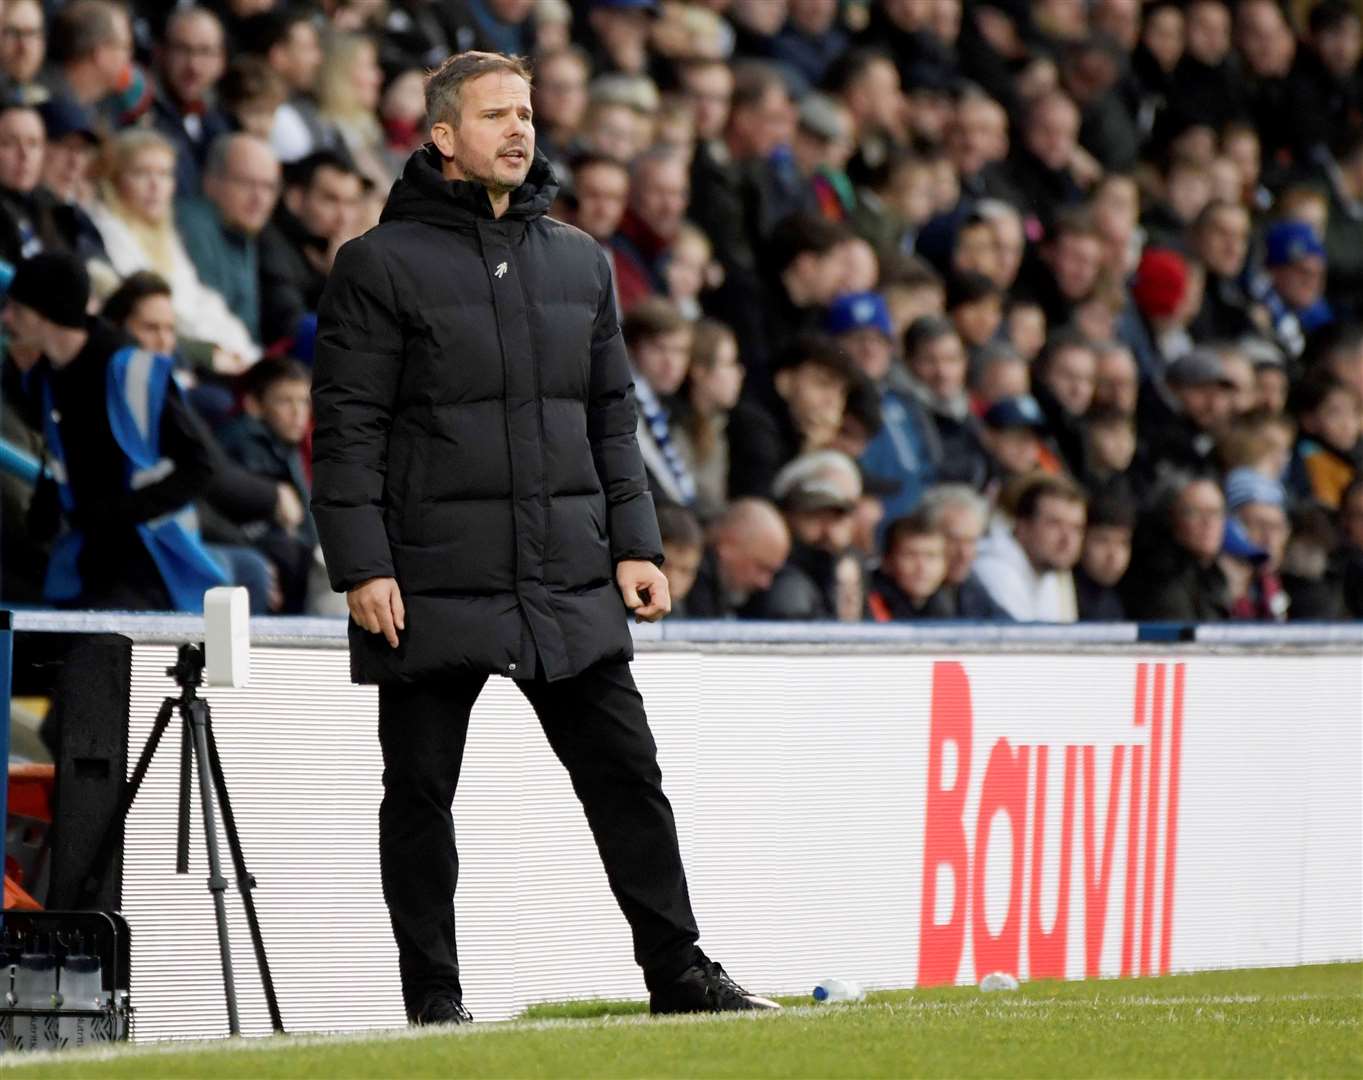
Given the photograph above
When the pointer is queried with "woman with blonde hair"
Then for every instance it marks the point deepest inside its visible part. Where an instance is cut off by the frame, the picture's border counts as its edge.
(349, 92)
(713, 383)
(135, 217)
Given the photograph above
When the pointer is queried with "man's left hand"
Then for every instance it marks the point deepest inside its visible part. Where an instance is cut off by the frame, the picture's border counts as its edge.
(644, 588)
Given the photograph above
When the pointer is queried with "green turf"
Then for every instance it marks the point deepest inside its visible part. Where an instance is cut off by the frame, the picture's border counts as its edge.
(1284, 1022)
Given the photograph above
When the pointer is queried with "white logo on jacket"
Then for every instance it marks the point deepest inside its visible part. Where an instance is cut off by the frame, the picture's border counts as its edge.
(501, 270)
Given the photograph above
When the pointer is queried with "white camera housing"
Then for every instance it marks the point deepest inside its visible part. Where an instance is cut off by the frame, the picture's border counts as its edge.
(227, 637)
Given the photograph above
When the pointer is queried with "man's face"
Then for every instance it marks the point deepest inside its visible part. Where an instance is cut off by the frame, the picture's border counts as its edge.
(662, 360)
(286, 409)
(193, 58)
(1070, 376)
(1208, 32)
(978, 321)
(1112, 446)
(940, 366)
(602, 194)
(709, 88)
(246, 191)
(660, 192)
(1107, 553)
(1116, 382)
(1002, 379)
(1200, 520)
(1267, 527)
(978, 136)
(1054, 536)
(328, 204)
(977, 250)
(494, 143)
(816, 397)
(22, 142)
(23, 45)
(614, 132)
(27, 329)
(962, 528)
(1301, 282)
(1209, 406)
(829, 530)
(750, 564)
(681, 563)
(152, 323)
(1012, 246)
(871, 350)
(1270, 389)
(918, 565)
(1223, 241)
(1053, 133)
(1340, 48)
(758, 129)
(1336, 421)
(560, 93)
(298, 58)
(1076, 260)
(67, 164)
(876, 100)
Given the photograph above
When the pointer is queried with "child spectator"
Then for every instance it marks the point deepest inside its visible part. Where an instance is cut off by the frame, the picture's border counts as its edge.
(1258, 504)
(683, 548)
(714, 381)
(997, 372)
(936, 361)
(975, 306)
(251, 92)
(1104, 560)
(1025, 324)
(658, 339)
(267, 440)
(1330, 417)
(1011, 432)
(913, 570)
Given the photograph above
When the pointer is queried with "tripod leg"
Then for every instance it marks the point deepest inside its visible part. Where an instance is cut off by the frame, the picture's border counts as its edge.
(109, 843)
(245, 880)
(217, 884)
(182, 813)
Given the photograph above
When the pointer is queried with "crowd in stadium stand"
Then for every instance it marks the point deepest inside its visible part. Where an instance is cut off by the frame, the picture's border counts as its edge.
(1034, 310)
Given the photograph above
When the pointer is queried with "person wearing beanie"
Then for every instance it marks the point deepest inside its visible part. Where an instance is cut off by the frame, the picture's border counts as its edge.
(1167, 290)
(1292, 286)
(1259, 504)
(113, 421)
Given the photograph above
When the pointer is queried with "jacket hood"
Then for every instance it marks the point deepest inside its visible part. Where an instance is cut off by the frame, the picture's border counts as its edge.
(423, 194)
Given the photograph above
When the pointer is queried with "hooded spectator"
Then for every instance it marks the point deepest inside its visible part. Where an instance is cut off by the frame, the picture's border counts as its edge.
(1028, 568)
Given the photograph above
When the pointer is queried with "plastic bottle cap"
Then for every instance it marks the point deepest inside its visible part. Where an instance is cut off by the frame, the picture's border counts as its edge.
(820, 993)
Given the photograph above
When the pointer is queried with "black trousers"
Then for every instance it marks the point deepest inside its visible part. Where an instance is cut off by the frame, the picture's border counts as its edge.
(596, 725)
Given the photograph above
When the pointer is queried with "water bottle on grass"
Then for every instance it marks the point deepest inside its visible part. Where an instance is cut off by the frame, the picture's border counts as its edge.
(831, 991)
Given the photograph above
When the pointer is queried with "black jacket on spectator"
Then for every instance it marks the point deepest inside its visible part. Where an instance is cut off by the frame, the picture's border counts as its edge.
(762, 438)
(1045, 191)
(1169, 440)
(1097, 603)
(804, 589)
(708, 599)
(1166, 584)
(889, 603)
(191, 151)
(1324, 106)
(1225, 312)
(499, 490)
(290, 285)
(40, 216)
(974, 602)
(1066, 430)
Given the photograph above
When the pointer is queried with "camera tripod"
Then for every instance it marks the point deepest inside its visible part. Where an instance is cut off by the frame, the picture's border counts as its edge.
(197, 747)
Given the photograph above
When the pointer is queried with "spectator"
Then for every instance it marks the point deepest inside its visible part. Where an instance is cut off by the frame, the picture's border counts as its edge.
(1104, 560)
(130, 541)
(811, 39)
(997, 372)
(135, 219)
(1025, 325)
(1259, 504)
(601, 191)
(818, 495)
(23, 48)
(1164, 292)
(315, 217)
(32, 219)
(659, 190)
(251, 94)
(1028, 568)
(287, 40)
(911, 289)
(905, 449)
(811, 386)
(1116, 379)
(1221, 241)
(683, 548)
(1042, 167)
(962, 516)
(1109, 450)
(659, 344)
(560, 100)
(822, 148)
(867, 84)
(1349, 557)
(1064, 390)
(620, 28)
(1344, 231)
(1175, 573)
(710, 392)
(349, 90)
(1183, 421)
(90, 52)
(1330, 416)
(266, 440)
(191, 60)
(68, 166)
(1293, 288)
(689, 270)
(221, 231)
(936, 364)
(746, 548)
(911, 581)
(1206, 83)
(1012, 431)
(975, 306)
(977, 143)
(1067, 268)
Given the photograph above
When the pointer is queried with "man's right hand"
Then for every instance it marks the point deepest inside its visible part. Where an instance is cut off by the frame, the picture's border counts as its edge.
(376, 605)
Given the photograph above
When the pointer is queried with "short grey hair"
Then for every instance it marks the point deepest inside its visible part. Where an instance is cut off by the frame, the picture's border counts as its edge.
(220, 151)
(445, 85)
(938, 500)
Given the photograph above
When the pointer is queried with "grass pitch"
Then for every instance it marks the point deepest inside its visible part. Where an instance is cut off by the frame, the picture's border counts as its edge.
(1269, 1023)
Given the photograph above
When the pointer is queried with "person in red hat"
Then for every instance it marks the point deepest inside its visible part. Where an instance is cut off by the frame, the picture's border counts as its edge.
(1167, 289)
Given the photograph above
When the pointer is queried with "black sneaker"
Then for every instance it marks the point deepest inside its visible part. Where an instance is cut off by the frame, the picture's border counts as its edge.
(443, 1009)
(705, 987)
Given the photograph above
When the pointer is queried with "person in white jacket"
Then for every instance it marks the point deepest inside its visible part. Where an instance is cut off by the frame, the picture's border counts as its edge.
(135, 217)
(1027, 568)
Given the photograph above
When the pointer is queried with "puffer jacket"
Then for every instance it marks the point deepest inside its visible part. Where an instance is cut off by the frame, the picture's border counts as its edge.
(475, 434)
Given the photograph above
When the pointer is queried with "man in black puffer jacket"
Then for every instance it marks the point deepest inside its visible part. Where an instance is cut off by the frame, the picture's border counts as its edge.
(481, 500)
